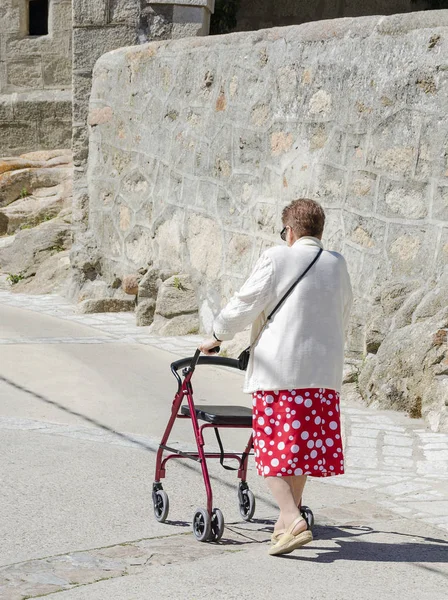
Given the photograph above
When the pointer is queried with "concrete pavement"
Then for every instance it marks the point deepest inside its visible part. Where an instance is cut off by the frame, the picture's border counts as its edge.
(76, 506)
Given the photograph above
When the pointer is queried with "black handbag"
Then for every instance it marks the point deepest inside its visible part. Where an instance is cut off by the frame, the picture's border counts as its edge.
(243, 358)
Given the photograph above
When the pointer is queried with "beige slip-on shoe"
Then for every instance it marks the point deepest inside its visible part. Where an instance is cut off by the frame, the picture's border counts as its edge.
(288, 542)
(276, 535)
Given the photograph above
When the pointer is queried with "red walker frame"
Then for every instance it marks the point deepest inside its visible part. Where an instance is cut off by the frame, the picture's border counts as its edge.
(185, 390)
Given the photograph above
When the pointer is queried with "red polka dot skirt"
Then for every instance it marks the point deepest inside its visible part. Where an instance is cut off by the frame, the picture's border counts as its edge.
(297, 432)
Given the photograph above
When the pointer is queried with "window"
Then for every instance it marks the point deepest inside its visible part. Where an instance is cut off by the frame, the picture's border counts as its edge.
(38, 17)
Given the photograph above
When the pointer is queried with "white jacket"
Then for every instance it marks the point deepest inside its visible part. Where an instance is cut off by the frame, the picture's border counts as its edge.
(303, 345)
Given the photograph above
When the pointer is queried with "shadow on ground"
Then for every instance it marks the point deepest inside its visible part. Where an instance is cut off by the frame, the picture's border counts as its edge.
(350, 544)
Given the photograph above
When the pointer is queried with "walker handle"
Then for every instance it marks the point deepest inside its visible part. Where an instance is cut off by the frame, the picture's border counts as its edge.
(195, 360)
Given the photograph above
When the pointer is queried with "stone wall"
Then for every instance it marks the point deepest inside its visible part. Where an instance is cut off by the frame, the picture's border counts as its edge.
(103, 25)
(35, 79)
(196, 146)
(261, 14)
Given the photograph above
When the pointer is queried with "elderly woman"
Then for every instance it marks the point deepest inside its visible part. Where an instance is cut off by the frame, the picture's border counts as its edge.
(295, 368)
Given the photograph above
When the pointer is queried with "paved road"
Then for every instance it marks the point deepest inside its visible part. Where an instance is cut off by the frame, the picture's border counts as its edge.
(76, 474)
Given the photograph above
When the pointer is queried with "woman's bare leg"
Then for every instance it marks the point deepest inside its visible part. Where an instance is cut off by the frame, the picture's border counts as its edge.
(298, 484)
(285, 491)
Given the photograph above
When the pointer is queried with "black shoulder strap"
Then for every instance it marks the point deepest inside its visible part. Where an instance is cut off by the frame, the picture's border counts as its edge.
(291, 289)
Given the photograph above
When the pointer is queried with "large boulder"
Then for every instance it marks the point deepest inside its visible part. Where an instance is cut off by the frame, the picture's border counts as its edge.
(176, 311)
(35, 220)
(27, 174)
(31, 247)
(51, 276)
(35, 209)
(408, 369)
(34, 187)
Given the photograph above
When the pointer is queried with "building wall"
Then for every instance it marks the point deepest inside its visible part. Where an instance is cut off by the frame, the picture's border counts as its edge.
(35, 79)
(196, 146)
(262, 14)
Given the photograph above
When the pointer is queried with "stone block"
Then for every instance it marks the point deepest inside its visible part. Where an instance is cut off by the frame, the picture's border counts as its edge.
(296, 179)
(18, 137)
(204, 246)
(356, 150)
(206, 195)
(57, 71)
(361, 191)
(61, 16)
(404, 199)
(329, 185)
(104, 305)
(248, 149)
(239, 253)
(80, 145)
(27, 47)
(124, 11)
(137, 244)
(157, 22)
(189, 21)
(434, 301)
(366, 232)
(106, 233)
(395, 141)
(175, 189)
(176, 296)
(402, 23)
(180, 325)
(82, 87)
(91, 43)
(408, 248)
(90, 12)
(135, 189)
(321, 104)
(266, 217)
(169, 241)
(6, 108)
(144, 312)
(11, 19)
(334, 229)
(432, 162)
(149, 284)
(230, 213)
(209, 4)
(29, 110)
(55, 134)
(24, 74)
(440, 205)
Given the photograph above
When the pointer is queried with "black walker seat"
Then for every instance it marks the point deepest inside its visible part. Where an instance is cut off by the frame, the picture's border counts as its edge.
(221, 415)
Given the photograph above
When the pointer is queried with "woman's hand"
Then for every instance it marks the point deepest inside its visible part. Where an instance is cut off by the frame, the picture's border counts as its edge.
(207, 346)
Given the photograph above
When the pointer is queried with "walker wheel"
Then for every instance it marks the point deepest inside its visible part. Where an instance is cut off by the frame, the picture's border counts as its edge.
(217, 525)
(308, 515)
(161, 505)
(202, 525)
(247, 504)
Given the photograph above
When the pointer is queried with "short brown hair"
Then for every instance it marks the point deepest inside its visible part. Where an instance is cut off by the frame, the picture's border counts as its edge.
(305, 217)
